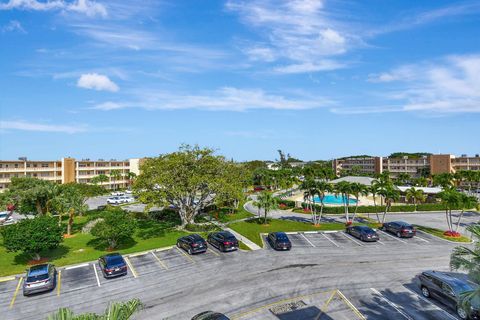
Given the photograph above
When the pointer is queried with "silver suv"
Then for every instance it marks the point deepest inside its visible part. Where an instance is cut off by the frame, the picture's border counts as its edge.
(40, 278)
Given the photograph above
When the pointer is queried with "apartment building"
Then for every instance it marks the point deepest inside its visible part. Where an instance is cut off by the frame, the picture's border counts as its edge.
(414, 166)
(69, 170)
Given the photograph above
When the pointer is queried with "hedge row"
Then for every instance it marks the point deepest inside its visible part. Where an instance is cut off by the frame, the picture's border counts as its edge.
(370, 209)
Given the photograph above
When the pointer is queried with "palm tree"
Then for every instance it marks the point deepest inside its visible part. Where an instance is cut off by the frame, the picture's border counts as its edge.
(416, 195)
(115, 174)
(466, 202)
(115, 311)
(309, 191)
(267, 202)
(450, 199)
(468, 259)
(421, 182)
(321, 188)
(391, 195)
(130, 176)
(357, 189)
(99, 179)
(344, 188)
(374, 189)
(403, 178)
(445, 180)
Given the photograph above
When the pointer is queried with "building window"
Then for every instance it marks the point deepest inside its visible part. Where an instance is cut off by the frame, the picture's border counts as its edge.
(44, 165)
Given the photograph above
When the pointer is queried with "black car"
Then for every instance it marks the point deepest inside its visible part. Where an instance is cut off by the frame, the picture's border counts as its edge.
(400, 228)
(210, 315)
(40, 278)
(447, 289)
(279, 241)
(363, 233)
(192, 243)
(223, 240)
(112, 265)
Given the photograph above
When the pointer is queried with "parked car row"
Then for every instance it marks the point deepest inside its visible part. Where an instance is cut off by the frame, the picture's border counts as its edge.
(399, 228)
(120, 200)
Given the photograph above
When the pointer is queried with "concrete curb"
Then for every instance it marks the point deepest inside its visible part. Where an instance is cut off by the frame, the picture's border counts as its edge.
(455, 242)
(245, 240)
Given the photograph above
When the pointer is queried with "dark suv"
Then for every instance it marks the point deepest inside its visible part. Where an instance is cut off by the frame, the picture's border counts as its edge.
(447, 289)
(363, 233)
(400, 228)
(112, 265)
(192, 243)
(279, 241)
(223, 240)
(40, 278)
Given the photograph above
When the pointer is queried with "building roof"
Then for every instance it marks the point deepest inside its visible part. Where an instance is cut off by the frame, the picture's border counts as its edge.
(362, 180)
(428, 190)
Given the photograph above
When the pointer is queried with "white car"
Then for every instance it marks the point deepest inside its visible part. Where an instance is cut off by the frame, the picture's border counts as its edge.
(3, 218)
(120, 200)
(117, 193)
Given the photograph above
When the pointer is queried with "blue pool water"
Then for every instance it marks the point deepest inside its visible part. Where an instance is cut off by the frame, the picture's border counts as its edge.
(333, 199)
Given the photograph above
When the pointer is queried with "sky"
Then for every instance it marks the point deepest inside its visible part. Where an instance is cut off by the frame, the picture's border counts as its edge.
(318, 79)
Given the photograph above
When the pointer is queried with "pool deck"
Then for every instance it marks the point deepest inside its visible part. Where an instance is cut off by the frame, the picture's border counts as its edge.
(363, 201)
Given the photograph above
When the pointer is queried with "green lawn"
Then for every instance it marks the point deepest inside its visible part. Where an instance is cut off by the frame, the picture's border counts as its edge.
(223, 214)
(439, 233)
(243, 246)
(252, 228)
(83, 247)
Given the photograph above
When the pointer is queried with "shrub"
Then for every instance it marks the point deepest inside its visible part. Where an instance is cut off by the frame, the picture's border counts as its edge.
(115, 228)
(201, 227)
(32, 236)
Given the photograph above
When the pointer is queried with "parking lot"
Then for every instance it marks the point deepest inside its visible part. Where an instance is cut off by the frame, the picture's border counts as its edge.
(244, 284)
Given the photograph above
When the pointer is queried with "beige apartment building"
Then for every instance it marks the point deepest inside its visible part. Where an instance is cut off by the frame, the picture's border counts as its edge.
(435, 164)
(69, 170)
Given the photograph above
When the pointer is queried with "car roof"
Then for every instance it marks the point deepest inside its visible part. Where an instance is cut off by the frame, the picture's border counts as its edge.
(403, 223)
(112, 255)
(447, 278)
(364, 227)
(225, 233)
(38, 269)
(280, 233)
(195, 236)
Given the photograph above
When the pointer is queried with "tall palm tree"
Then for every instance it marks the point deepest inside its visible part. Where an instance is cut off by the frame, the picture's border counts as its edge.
(357, 190)
(267, 202)
(309, 191)
(115, 311)
(321, 189)
(374, 189)
(445, 180)
(403, 178)
(115, 175)
(130, 176)
(415, 195)
(390, 195)
(344, 188)
(466, 202)
(450, 199)
(468, 259)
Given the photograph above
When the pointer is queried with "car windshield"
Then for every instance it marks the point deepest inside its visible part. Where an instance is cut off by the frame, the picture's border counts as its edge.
(230, 238)
(282, 237)
(460, 287)
(38, 277)
(3, 215)
(115, 260)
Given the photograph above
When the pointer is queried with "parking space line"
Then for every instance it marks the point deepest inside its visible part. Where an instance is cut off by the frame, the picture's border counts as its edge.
(159, 261)
(391, 304)
(380, 242)
(307, 240)
(77, 266)
(432, 304)
(420, 238)
(351, 238)
(215, 253)
(131, 267)
(16, 292)
(389, 235)
(59, 282)
(330, 240)
(186, 255)
(96, 274)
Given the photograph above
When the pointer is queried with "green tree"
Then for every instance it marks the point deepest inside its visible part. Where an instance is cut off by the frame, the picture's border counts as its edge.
(468, 259)
(344, 188)
(309, 191)
(116, 227)
(374, 189)
(321, 189)
(466, 202)
(115, 175)
(450, 198)
(390, 194)
(445, 180)
(402, 179)
(72, 199)
(415, 195)
(115, 311)
(267, 202)
(357, 190)
(32, 236)
(189, 179)
(130, 176)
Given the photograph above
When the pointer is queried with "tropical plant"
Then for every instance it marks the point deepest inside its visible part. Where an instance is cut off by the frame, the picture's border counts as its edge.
(466, 202)
(402, 179)
(189, 179)
(450, 199)
(130, 176)
(321, 189)
(374, 189)
(267, 202)
(445, 180)
(115, 175)
(32, 236)
(415, 195)
(309, 191)
(115, 311)
(344, 188)
(357, 190)
(116, 227)
(72, 199)
(390, 194)
(468, 259)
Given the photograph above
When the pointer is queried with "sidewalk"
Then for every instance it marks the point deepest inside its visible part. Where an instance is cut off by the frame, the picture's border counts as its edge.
(248, 243)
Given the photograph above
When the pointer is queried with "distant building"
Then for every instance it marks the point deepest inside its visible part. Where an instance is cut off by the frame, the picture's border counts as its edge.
(414, 166)
(68, 170)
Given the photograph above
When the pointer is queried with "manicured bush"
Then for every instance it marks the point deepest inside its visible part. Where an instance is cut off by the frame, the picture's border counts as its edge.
(202, 227)
(115, 228)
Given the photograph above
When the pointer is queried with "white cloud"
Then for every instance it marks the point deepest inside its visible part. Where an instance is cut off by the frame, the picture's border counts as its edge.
(223, 99)
(297, 33)
(97, 82)
(13, 25)
(40, 127)
(87, 7)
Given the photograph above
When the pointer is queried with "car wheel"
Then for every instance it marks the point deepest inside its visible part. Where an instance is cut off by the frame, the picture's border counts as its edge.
(399, 235)
(189, 251)
(178, 244)
(425, 292)
(462, 313)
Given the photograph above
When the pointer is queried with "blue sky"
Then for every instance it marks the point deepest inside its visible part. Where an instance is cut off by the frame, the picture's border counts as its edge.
(318, 79)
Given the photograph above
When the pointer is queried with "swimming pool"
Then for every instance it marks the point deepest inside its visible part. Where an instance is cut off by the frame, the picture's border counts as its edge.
(333, 199)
